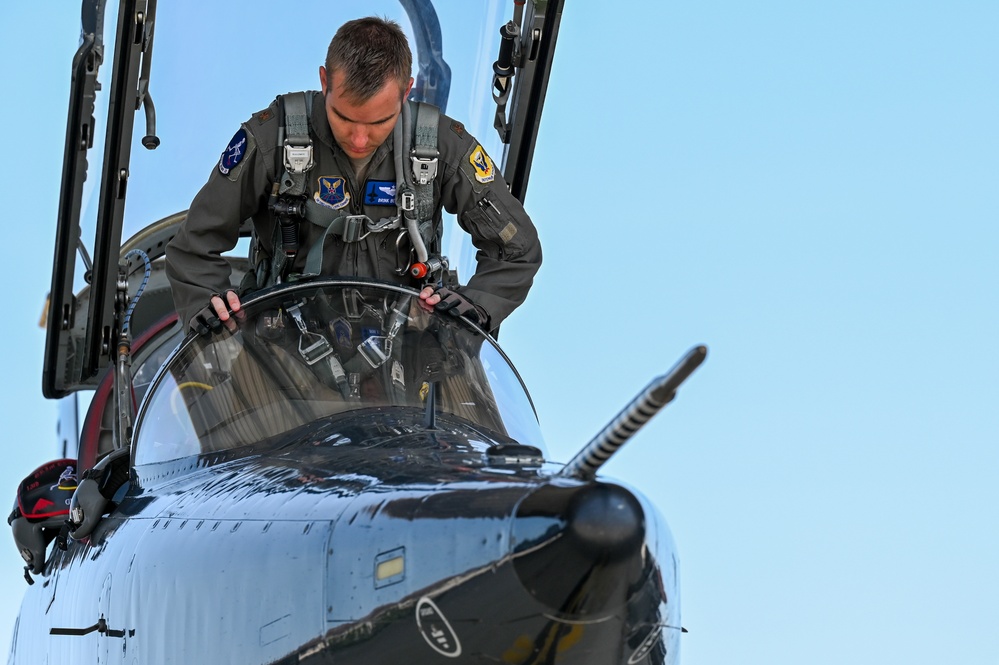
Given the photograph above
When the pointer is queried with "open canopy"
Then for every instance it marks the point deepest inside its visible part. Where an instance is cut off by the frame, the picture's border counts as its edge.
(217, 63)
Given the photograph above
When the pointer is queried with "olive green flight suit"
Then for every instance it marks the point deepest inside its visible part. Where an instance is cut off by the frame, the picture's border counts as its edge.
(467, 184)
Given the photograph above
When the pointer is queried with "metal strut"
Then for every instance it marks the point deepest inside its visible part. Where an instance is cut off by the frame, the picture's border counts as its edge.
(122, 429)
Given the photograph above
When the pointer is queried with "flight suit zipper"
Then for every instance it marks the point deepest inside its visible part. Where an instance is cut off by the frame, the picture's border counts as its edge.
(350, 186)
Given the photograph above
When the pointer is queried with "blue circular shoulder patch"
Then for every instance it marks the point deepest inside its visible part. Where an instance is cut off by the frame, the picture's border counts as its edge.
(233, 153)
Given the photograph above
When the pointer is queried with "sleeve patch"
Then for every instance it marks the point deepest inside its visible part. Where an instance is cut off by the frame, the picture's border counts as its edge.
(234, 152)
(482, 165)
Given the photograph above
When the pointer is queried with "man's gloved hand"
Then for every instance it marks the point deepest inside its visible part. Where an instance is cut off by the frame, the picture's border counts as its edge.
(205, 321)
(218, 312)
(446, 300)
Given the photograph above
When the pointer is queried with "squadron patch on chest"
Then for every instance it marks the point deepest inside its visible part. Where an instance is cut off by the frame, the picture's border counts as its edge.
(233, 153)
(332, 192)
(379, 193)
(482, 165)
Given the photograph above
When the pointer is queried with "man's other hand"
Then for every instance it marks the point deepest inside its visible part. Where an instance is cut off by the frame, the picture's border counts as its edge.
(221, 310)
(224, 307)
(446, 300)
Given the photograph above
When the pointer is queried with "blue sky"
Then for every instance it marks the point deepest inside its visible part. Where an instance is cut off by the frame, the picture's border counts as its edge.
(809, 189)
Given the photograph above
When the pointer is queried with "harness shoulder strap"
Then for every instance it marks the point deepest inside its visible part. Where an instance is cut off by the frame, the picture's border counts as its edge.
(424, 156)
(295, 155)
(294, 134)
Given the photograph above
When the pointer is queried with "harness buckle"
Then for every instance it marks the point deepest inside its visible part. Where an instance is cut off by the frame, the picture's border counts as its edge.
(407, 200)
(353, 304)
(316, 351)
(354, 227)
(424, 169)
(313, 347)
(384, 224)
(297, 158)
(376, 350)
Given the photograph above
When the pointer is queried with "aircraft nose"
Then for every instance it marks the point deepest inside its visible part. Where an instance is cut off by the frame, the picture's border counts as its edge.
(578, 549)
(606, 520)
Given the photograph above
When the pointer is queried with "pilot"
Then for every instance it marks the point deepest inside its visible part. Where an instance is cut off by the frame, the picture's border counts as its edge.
(318, 174)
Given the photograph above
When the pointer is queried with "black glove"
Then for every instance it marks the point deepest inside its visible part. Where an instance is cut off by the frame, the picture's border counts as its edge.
(458, 305)
(207, 320)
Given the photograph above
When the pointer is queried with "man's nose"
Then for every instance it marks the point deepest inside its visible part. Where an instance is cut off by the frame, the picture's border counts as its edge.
(359, 138)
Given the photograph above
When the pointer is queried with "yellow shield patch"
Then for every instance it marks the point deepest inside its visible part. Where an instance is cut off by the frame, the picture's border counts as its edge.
(482, 165)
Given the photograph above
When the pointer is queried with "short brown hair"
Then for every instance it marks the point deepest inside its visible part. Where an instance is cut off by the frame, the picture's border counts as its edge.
(369, 51)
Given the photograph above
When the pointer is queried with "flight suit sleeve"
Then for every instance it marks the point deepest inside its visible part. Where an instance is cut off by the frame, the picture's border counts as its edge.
(509, 252)
(236, 189)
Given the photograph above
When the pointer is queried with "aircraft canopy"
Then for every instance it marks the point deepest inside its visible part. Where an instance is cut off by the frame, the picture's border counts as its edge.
(307, 353)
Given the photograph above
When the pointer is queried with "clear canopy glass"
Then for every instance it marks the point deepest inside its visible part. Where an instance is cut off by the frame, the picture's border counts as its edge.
(308, 353)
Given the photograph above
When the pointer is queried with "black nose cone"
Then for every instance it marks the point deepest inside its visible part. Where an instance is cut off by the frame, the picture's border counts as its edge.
(606, 522)
(578, 549)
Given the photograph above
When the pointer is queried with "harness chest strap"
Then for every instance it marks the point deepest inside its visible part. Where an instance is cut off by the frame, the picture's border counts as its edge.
(350, 228)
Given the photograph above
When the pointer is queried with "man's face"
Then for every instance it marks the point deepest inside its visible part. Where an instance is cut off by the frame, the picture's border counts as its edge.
(360, 127)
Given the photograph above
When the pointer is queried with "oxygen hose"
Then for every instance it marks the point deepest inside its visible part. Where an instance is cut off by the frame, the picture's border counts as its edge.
(142, 286)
